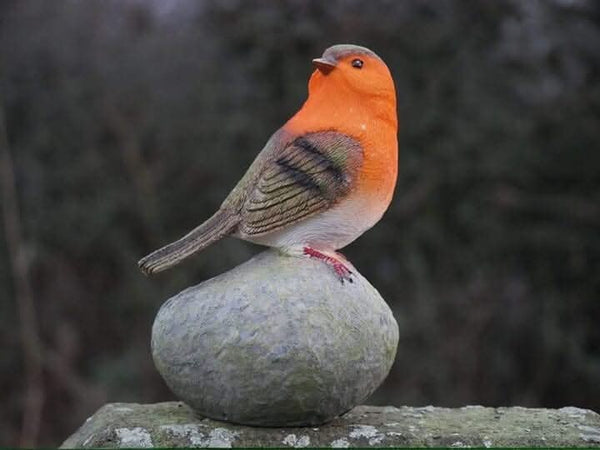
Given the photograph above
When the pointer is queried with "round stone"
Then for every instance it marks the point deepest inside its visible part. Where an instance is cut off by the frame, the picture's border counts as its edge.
(276, 341)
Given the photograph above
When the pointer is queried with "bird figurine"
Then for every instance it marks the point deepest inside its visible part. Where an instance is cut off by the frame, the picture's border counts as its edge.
(322, 179)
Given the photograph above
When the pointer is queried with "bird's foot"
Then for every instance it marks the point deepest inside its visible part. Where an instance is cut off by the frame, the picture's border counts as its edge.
(335, 262)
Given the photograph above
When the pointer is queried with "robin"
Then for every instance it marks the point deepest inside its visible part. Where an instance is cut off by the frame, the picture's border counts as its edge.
(322, 179)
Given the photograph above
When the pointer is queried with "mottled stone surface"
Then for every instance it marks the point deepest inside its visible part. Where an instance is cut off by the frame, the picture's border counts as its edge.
(174, 424)
(277, 341)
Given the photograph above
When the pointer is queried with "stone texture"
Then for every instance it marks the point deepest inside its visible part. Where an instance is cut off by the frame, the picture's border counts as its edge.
(277, 341)
(174, 424)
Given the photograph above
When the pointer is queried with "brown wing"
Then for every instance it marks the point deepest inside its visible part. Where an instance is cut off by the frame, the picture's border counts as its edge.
(310, 174)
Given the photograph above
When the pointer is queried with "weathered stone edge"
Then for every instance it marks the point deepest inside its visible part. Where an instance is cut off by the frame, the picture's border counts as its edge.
(173, 424)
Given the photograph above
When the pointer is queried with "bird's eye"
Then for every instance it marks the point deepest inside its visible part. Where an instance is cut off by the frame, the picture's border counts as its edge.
(357, 63)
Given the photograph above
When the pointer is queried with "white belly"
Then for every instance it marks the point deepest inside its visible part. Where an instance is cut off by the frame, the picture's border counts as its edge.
(330, 230)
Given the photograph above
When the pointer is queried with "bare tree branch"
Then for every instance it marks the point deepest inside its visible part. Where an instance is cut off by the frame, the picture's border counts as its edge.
(30, 340)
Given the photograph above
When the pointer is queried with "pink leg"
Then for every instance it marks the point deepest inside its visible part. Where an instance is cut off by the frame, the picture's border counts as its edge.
(338, 266)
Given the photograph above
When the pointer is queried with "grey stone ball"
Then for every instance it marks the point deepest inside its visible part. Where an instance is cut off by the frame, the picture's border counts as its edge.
(276, 341)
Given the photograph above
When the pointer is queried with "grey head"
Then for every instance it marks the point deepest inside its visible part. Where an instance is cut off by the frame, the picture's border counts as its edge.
(336, 53)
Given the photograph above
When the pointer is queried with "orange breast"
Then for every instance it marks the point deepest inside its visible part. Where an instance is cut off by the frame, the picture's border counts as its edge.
(372, 123)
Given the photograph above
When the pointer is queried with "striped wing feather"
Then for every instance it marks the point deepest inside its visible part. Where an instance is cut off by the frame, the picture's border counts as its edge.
(309, 175)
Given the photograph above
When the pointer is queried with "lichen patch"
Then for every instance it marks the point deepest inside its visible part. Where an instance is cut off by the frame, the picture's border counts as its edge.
(367, 431)
(296, 442)
(134, 437)
(340, 443)
(574, 412)
(219, 437)
(590, 434)
(187, 431)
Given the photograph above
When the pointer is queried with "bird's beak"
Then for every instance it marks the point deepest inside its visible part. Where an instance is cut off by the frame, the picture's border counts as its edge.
(324, 65)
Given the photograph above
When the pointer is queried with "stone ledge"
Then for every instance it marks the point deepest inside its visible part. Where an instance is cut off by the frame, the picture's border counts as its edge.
(173, 424)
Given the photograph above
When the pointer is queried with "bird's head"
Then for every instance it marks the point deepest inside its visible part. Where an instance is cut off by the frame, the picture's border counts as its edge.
(352, 68)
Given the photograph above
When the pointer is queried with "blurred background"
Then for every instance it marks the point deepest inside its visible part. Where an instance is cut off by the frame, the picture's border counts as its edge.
(123, 124)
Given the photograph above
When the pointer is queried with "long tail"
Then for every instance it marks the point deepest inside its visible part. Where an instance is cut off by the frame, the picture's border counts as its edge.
(216, 227)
